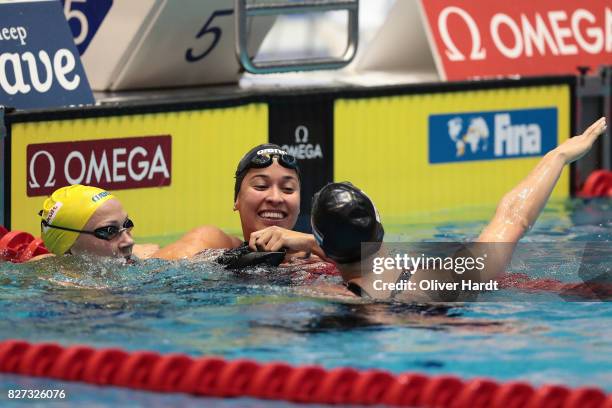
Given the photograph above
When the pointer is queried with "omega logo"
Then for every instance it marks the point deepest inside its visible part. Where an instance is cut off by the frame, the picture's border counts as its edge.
(452, 52)
(109, 164)
(33, 183)
(542, 33)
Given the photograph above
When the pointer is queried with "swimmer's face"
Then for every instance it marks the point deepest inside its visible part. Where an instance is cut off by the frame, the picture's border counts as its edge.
(111, 213)
(268, 197)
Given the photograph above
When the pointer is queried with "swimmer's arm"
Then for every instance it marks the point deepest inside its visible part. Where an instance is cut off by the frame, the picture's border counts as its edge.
(195, 241)
(276, 238)
(519, 209)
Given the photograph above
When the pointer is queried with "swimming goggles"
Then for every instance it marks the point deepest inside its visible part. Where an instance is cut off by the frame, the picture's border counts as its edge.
(107, 233)
(262, 160)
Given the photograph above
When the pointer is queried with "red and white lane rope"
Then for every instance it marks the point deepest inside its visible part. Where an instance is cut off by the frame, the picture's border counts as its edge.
(216, 377)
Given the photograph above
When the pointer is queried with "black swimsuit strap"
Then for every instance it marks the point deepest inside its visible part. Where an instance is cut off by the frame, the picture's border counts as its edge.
(356, 289)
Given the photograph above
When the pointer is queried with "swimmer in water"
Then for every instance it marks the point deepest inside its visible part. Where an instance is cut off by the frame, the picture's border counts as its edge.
(81, 220)
(267, 197)
(343, 217)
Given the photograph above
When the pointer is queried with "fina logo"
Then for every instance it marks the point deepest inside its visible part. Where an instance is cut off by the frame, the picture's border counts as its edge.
(492, 135)
(510, 140)
(477, 132)
(514, 140)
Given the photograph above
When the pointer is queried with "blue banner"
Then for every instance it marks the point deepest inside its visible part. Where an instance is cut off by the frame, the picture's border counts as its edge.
(39, 64)
(85, 18)
(457, 137)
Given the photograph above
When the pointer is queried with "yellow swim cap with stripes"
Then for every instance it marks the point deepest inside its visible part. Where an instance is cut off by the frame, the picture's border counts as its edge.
(69, 207)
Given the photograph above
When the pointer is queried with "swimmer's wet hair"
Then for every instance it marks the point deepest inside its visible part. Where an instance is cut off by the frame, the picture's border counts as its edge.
(342, 218)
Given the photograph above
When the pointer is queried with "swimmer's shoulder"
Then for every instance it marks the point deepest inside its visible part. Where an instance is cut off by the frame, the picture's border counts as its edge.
(211, 236)
(196, 241)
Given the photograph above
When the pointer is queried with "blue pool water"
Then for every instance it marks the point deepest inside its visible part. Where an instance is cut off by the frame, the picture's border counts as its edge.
(270, 315)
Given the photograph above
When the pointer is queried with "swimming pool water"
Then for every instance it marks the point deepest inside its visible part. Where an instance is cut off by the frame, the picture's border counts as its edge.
(270, 315)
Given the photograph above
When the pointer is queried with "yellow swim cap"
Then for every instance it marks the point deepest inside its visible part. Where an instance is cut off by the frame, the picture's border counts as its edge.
(70, 207)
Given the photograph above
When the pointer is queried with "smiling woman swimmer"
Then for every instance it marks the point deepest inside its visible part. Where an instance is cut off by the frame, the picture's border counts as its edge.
(267, 197)
(343, 217)
(81, 220)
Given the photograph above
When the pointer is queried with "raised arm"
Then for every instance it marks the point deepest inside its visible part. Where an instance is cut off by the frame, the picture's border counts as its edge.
(519, 209)
(516, 213)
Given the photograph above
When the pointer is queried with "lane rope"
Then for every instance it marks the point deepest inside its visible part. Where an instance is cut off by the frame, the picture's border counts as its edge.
(219, 378)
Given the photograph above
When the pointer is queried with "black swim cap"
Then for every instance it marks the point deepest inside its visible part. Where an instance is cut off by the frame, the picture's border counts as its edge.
(342, 218)
(268, 149)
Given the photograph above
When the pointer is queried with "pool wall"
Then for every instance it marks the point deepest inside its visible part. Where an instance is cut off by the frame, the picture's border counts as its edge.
(172, 161)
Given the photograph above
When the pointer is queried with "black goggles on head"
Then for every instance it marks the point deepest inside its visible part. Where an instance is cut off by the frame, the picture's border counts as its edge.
(265, 160)
(107, 233)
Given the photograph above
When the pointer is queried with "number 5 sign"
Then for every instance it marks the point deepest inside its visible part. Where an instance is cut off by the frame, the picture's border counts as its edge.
(85, 18)
(159, 43)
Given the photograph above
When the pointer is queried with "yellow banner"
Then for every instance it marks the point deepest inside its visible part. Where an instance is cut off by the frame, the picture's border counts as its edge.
(382, 146)
(206, 147)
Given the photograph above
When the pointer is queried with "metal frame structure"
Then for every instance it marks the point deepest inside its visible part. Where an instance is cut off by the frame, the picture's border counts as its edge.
(243, 11)
(593, 100)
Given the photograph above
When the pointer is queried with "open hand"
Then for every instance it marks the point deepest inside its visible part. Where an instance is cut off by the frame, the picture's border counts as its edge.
(576, 147)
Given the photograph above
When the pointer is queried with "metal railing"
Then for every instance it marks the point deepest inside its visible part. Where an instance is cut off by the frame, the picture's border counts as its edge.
(594, 99)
